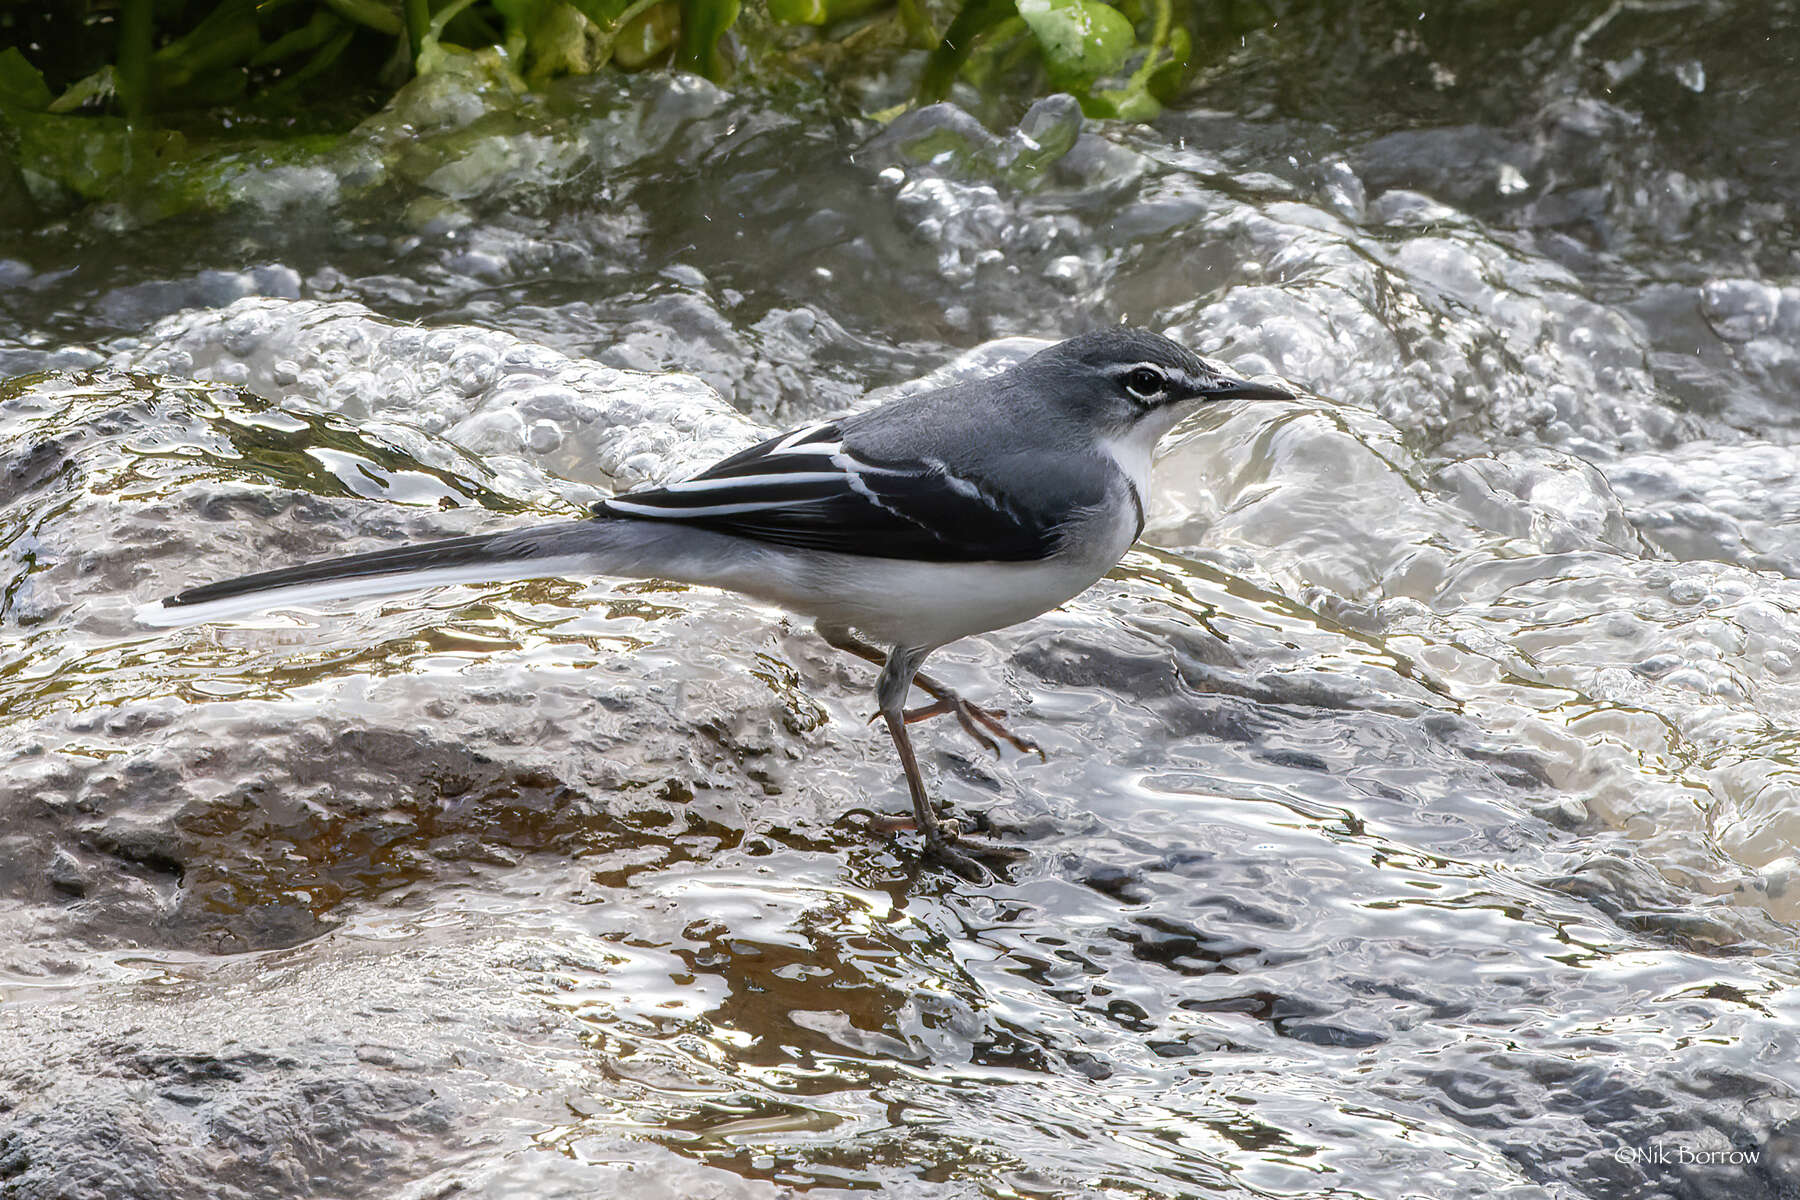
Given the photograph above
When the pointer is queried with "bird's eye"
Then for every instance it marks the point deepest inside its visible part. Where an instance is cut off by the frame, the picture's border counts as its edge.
(1146, 383)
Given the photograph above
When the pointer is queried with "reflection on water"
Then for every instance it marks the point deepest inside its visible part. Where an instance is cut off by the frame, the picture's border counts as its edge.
(1418, 815)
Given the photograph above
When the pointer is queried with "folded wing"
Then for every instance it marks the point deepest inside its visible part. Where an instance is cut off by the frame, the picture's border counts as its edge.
(808, 489)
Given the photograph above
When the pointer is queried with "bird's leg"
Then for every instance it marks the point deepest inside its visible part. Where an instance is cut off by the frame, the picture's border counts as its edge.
(890, 693)
(937, 845)
(972, 717)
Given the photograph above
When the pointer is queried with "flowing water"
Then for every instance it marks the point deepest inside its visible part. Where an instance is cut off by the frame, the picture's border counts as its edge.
(1420, 808)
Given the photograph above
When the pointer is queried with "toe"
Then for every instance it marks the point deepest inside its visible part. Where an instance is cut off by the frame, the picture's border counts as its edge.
(959, 862)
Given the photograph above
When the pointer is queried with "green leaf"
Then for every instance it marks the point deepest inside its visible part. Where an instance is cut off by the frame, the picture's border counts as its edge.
(227, 37)
(798, 12)
(100, 86)
(1166, 76)
(606, 14)
(381, 17)
(562, 41)
(418, 26)
(1121, 104)
(21, 84)
(703, 23)
(434, 54)
(822, 12)
(319, 63)
(1081, 39)
(646, 35)
(617, 22)
(1165, 61)
(519, 19)
(975, 18)
(315, 33)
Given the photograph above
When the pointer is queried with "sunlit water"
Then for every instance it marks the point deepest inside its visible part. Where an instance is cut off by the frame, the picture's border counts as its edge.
(1419, 811)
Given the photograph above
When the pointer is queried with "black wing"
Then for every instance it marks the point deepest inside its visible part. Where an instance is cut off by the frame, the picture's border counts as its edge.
(807, 489)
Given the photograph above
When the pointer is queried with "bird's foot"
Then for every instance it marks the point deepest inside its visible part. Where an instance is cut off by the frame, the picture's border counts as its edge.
(977, 722)
(967, 856)
(946, 851)
(946, 843)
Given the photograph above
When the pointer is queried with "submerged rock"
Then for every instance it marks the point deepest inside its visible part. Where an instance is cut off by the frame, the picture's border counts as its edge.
(527, 882)
(1418, 812)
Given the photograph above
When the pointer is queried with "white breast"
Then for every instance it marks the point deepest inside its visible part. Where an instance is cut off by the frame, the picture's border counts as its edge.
(1133, 449)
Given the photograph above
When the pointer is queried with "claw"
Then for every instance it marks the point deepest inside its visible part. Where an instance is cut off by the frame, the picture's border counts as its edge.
(952, 847)
(900, 671)
(964, 854)
(967, 715)
(959, 862)
(964, 717)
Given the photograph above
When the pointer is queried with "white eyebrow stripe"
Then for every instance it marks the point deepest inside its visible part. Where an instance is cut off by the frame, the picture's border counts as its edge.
(1169, 374)
(1205, 381)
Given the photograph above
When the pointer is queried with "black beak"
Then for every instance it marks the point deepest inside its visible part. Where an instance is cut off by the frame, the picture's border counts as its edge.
(1227, 388)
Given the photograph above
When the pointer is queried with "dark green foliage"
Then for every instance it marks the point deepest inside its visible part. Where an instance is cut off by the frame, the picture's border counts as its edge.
(144, 58)
(114, 93)
(975, 18)
(703, 23)
(21, 85)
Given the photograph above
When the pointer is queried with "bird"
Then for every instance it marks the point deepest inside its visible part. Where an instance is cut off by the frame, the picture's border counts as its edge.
(898, 530)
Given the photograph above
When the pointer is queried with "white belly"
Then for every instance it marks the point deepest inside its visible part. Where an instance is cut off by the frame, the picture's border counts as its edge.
(929, 604)
(924, 604)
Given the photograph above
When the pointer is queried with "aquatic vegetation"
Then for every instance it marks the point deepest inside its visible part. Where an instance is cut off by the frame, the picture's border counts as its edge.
(80, 95)
(1421, 808)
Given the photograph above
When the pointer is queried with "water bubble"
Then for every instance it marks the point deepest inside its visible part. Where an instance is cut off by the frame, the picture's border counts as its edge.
(1739, 309)
(1341, 190)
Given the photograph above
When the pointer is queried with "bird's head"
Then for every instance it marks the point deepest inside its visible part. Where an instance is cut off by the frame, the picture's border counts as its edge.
(1126, 382)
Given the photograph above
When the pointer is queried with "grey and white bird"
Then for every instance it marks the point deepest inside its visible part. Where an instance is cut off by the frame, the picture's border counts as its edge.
(927, 519)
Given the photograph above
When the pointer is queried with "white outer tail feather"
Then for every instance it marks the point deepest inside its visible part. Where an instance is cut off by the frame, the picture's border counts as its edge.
(325, 591)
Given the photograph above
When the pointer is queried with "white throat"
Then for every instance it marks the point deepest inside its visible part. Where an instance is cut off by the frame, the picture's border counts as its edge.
(1133, 449)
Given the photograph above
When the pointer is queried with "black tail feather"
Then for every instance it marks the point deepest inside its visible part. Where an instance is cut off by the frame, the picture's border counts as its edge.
(452, 552)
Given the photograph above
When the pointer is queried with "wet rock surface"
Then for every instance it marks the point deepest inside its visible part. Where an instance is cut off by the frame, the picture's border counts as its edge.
(1418, 813)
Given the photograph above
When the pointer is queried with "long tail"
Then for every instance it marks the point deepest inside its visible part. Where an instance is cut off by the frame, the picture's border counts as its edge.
(452, 552)
(568, 548)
